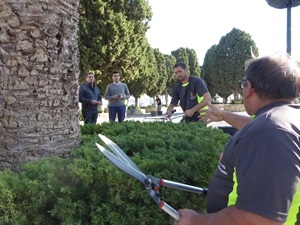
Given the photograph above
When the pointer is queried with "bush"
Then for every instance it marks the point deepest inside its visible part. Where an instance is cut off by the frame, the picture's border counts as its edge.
(88, 189)
(131, 107)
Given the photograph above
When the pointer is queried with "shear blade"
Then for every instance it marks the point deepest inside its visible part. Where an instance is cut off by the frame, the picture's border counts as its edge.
(123, 165)
(118, 151)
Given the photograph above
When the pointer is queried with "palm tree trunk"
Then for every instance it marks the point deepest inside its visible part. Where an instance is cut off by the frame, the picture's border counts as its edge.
(39, 69)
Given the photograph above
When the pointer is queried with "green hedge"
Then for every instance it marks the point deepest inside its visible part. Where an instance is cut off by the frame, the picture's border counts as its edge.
(88, 189)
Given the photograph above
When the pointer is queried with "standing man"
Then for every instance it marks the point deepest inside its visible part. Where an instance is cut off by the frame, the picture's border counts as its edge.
(116, 93)
(257, 180)
(90, 98)
(191, 92)
(158, 102)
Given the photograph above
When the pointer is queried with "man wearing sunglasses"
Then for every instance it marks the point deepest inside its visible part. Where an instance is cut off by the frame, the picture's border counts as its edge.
(258, 175)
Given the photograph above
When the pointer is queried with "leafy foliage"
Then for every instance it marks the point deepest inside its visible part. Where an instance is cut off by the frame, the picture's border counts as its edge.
(224, 63)
(112, 37)
(171, 80)
(88, 189)
(148, 76)
(189, 57)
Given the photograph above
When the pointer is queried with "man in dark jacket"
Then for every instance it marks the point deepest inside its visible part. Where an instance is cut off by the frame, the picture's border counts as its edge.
(90, 98)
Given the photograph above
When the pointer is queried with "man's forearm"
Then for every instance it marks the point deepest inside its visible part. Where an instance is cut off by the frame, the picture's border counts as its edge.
(236, 120)
(170, 108)
(206, 99)
(230, 215)
(199, 106)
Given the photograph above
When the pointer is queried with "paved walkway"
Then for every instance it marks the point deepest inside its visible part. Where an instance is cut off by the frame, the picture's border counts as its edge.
(146, 117)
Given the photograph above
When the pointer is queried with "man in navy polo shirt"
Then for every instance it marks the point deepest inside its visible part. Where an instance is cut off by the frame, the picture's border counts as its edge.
(191, 93)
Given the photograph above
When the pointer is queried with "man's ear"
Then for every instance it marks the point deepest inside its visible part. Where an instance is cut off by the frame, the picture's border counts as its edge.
(249, 91)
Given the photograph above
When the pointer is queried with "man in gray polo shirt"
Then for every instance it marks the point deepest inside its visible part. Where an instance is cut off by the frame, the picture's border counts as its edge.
(116, 93)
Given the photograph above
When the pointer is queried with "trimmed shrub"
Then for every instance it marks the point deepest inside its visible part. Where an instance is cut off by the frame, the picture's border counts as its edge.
(88, 189)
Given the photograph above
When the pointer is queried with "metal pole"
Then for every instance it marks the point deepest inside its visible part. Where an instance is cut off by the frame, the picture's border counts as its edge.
(288, 35)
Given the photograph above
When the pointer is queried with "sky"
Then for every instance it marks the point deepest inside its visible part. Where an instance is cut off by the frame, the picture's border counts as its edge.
(200, 24)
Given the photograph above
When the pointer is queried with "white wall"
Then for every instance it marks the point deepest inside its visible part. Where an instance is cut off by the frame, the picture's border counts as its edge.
(146, 100)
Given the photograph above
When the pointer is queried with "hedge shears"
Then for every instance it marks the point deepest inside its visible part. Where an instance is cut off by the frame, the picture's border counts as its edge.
(152, 184)
(167, 118)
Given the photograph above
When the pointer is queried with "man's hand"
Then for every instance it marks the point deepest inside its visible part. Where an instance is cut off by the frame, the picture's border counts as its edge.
(118, 97)
(212, 114)
(229, 215)
(189, 112)
(169, 113)
(94, 102)
(187, 217)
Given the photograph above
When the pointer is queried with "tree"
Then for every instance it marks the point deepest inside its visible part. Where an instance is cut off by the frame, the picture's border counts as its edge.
(159, 86)
(39, 67)
(112, 37)
(208, 71)
(225, 64)
(189, 57)
(148, 76)
(171, 80)
(214, 78)
(194, 66)
(181, 55)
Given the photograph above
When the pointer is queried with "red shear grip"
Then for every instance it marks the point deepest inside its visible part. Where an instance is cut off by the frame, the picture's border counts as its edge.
(161, 204)
(162, 182)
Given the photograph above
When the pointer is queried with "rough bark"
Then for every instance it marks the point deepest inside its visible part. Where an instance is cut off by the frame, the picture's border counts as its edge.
(39, 69)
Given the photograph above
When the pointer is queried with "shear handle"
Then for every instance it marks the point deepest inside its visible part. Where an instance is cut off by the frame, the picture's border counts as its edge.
(184, 187)
(167, 117)
(168, 209)
(174, 110)
(158, 182)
